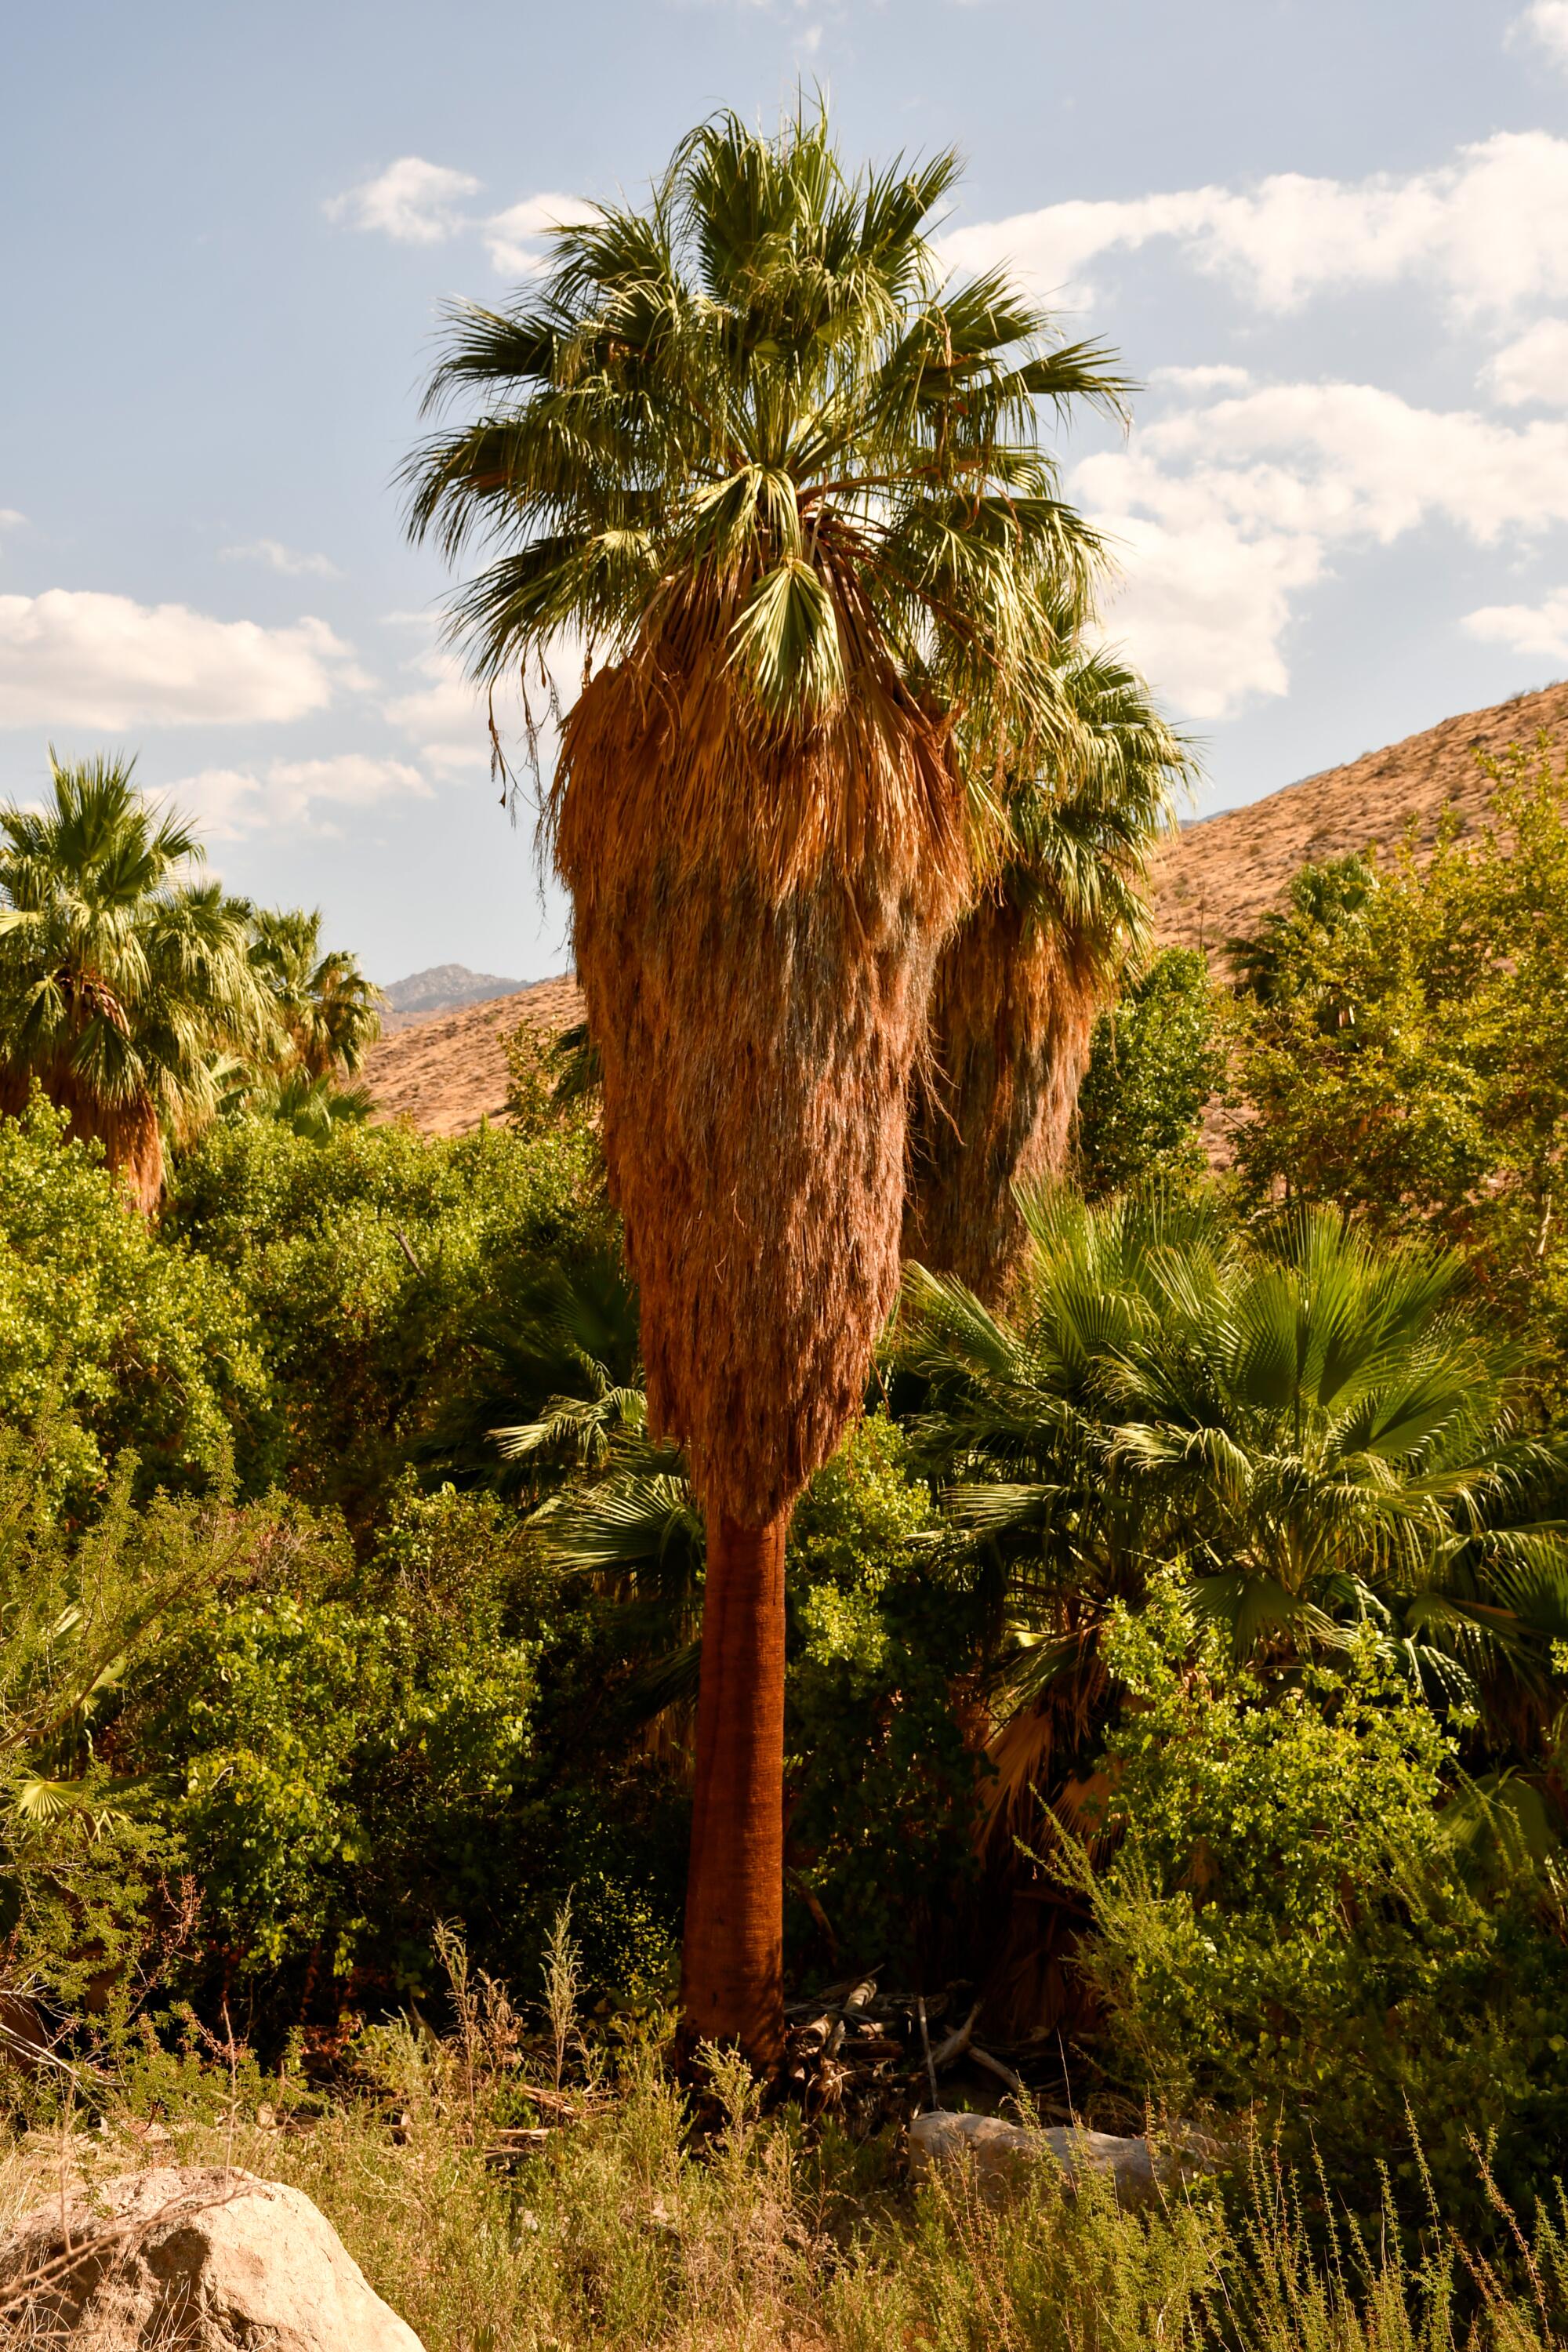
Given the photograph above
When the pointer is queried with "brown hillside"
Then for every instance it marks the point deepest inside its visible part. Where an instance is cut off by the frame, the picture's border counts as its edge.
(1216, 878)
(448, 1073)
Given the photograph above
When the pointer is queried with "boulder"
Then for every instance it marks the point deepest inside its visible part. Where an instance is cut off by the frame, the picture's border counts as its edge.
(1002, 2154)
(197, 2260)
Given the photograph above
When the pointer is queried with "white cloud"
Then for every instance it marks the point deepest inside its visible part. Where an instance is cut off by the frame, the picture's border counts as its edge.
(1223, 514)
(1545, 23)
(292, 795)
(1525, 628)
(1534, 368)
(413, 202)
(1198, 379)
(1489, 229)
(79, 658)
(516, 239)
(11, 519)
(279, 558)
(447, 717)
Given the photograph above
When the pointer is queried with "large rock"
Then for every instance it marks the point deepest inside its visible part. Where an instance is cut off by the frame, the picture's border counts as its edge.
(205, 2260)
(1002, 2154)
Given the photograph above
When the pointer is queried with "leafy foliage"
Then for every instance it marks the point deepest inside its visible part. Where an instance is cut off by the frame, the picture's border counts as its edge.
(134, 1342)
(1289, 1919)
(1155, 1060)
(1406, 1053)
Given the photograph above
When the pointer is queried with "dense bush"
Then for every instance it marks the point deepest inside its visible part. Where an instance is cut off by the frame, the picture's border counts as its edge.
(1306, 1920)
(367, 1262)
(1155, 1059)
(883, 1776)
(132, 1342)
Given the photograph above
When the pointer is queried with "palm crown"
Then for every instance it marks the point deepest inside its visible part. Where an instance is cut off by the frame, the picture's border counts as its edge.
(121, 983)
(328, 1009)
(752, 412)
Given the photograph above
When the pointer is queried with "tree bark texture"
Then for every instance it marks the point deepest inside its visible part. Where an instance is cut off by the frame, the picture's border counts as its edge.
(732, 1960)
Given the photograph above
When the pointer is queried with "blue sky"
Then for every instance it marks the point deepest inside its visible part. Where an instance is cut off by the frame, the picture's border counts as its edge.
(1330, 238)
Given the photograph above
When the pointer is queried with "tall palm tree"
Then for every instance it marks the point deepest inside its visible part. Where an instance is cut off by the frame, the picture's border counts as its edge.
(328, 1012)
(122, 986)
(788, 491)
(1020, 981)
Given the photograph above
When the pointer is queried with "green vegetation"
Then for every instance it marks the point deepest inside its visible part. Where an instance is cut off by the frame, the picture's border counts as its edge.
(1140, 1630)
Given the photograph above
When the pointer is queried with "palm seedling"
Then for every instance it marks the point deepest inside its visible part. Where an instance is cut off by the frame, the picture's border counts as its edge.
(787, 490)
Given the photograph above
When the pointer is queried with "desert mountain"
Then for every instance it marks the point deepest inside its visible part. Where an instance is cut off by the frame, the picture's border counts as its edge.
(441, 989)
(1215, 879)
(448, 1072)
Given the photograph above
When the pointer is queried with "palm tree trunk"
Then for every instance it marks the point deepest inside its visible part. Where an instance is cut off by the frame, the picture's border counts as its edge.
(732, 1964)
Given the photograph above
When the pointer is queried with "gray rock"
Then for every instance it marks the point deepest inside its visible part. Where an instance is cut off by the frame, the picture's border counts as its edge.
(1004, 2154)
(206, 2261)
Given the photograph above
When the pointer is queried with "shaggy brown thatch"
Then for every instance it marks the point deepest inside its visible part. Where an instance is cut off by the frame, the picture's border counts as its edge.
(1013, 1010)
(755, 945)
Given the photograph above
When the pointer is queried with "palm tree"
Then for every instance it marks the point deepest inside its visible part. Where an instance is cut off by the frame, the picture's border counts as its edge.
(329, 1014)
(788, 492)
(122, 987)
(1309, 1422)
(1021, 980)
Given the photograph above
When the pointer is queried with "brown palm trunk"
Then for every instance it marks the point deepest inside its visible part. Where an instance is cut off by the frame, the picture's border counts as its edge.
(732, 1960)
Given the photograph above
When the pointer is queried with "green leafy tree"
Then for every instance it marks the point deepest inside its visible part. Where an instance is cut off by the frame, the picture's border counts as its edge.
(1155, 1061)
(115, 1336)
(123, 986)
(1405, 1052)
(372, 1264)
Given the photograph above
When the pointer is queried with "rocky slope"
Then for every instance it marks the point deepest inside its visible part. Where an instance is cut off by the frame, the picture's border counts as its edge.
(1213, 880)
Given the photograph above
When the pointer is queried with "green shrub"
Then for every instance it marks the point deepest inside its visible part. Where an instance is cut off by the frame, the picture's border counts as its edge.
(1289, 1925)
(1155, 1061)
(367, 1261)
(882, 1777)
(132, 1342)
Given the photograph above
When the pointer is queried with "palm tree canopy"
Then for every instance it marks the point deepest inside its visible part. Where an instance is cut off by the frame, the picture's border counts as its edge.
(753, 415)
(1311, 1423)
(124, 982)
(329, 1012)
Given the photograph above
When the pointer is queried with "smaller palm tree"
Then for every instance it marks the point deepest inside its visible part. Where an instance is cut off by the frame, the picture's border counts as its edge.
(1018, 985)
(124, 984)
(329, 1012)
(1313, 1424)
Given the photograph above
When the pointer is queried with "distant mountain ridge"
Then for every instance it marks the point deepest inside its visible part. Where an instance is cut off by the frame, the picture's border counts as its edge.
(442, 988)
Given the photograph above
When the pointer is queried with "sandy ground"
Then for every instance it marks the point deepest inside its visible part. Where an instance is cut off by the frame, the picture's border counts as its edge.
(448, 1072)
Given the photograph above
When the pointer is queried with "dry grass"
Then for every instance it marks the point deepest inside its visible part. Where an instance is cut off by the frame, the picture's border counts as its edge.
(619, 2236)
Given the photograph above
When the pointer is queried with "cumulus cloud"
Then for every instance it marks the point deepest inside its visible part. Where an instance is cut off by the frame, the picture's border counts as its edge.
(11, 518)
(295, 795)
(1223, 514)
(1488, 229)
(1531, 369)
(413, 202)
(517, 240)
(79, 658)
(279, 558)
(1525, 628)
(1544, 24)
